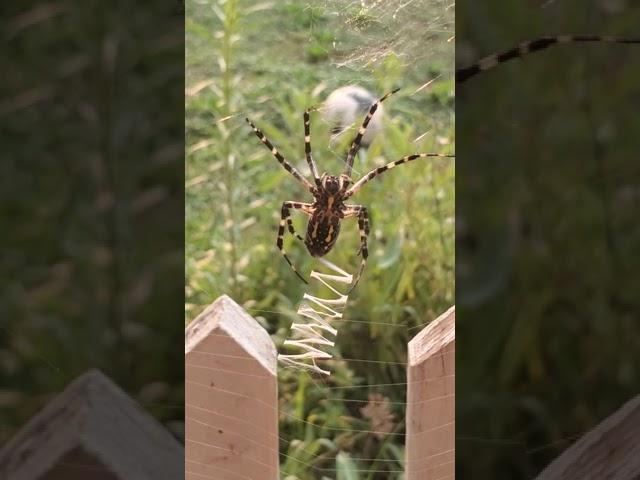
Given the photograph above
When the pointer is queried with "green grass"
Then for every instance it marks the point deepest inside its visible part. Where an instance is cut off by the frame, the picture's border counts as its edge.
(269, 62)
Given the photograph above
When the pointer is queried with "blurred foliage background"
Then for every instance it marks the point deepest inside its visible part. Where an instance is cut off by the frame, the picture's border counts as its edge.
(91, 195)
(269, 61)
(547, 241)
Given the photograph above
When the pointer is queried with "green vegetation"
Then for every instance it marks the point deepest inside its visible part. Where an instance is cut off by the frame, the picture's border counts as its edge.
(91, 203)
(269, 61)
(548, 342)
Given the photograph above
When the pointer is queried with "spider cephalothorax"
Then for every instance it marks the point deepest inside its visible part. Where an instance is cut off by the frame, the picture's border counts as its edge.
(332, 184)
(329, 194)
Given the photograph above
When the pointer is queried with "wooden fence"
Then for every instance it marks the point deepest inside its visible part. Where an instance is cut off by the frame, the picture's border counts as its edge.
(92, 430)
(232, 410)
(95, 430)
(231, 390)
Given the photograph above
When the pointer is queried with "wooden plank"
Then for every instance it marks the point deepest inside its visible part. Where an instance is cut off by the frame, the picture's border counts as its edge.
(231, 394)
(611, 450)
(430, 446)
(92, 430)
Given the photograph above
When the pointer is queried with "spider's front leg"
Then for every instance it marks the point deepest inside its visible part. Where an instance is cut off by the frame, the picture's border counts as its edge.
(274, 151)
(307, 147)
(285, 218)
(355, 145)
(377, 171)
(363, 226)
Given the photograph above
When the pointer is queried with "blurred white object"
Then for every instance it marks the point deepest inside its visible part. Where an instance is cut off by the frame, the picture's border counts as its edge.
(346, 107)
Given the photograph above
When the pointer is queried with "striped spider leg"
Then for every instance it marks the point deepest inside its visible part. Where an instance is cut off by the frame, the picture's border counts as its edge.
(304, 207)
(362, 213)
(287, 166)
(377, 171)
(307, 147)
(355, 145)
(531, 46)
(286, 218)
(363, 226)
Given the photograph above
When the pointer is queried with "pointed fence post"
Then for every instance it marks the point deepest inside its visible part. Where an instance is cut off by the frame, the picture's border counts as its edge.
(610, 450)
(430, 448)
(231, 390)
(92, 430)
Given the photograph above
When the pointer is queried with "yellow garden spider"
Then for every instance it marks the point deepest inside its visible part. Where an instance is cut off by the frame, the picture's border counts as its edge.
(329, 194)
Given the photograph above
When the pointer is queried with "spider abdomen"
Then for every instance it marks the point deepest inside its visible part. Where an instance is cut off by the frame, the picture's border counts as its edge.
(322, 233)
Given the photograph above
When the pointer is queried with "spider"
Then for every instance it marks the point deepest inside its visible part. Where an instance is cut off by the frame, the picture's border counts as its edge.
(329, 194)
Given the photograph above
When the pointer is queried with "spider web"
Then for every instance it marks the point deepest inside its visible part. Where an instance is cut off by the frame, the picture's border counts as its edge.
(409, 30)
(378, 45)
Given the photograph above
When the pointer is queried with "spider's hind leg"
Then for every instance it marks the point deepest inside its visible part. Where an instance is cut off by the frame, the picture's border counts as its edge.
(285, 218)
(363, 226)
(292, 230)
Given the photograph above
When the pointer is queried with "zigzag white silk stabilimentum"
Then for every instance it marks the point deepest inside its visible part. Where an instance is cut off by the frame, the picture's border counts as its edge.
(319, 312)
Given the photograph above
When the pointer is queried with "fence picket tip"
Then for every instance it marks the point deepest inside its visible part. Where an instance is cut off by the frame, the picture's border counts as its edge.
(92, 427)
(231, 393)
(610, 450)
(430, 448)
